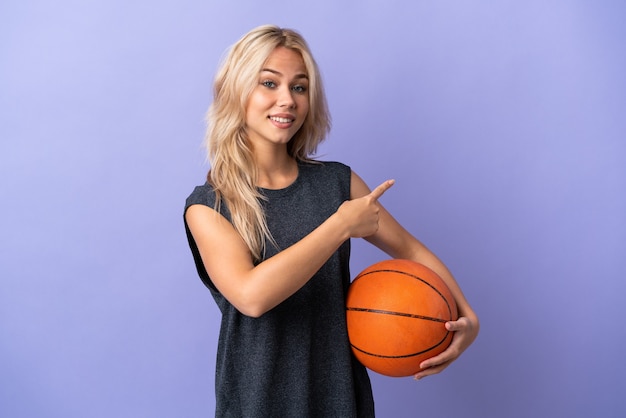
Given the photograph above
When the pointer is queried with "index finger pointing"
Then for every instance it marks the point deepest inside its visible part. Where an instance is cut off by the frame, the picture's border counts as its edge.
(378, 191)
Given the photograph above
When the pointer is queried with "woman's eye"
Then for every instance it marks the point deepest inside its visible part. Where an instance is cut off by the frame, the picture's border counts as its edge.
(268, 83)
(299, 89)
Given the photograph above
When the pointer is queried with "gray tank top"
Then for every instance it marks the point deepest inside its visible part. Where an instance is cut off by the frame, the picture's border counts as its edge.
(295, 360)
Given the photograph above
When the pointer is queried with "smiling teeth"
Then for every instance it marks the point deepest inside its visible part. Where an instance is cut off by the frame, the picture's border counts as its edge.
(280, 120)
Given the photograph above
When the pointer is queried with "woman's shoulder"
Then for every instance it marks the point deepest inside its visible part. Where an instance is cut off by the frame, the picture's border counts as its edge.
(201, 195)
(332, 168)
(327, 175)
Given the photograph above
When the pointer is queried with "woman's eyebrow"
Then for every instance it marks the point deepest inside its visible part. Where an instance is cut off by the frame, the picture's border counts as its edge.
(278, 73)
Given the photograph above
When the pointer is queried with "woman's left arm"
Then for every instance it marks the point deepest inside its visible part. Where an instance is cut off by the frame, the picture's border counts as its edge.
(397, 242)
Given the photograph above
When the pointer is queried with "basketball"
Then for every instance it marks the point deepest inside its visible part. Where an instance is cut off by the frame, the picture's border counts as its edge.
(396, 312)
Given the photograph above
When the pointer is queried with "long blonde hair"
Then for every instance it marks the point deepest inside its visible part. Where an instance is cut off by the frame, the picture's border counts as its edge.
(233, 172)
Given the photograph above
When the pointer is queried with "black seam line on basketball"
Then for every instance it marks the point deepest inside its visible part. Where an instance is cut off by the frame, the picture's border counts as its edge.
(410, 275)
(407, 315)
(404, 355)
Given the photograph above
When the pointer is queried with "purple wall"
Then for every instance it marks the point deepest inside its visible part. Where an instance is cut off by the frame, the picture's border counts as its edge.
(504, 126)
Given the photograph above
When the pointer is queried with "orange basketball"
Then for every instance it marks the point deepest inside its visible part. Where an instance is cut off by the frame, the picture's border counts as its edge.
(396, 314)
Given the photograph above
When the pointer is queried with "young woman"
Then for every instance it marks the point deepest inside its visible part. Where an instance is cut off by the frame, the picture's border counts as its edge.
(270, 234)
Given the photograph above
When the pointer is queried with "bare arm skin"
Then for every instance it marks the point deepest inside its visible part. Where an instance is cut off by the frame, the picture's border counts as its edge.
(396, 241)
(254, 290)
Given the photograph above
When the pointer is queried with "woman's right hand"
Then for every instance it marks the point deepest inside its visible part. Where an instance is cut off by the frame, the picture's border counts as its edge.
(361, 215)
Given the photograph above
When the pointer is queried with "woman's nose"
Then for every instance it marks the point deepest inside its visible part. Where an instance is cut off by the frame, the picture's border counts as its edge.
(285, 98)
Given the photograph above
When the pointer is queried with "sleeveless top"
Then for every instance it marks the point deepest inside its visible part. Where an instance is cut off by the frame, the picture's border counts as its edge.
(295, 360)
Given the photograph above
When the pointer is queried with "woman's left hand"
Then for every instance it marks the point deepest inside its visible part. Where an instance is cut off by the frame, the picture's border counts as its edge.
(465, 331)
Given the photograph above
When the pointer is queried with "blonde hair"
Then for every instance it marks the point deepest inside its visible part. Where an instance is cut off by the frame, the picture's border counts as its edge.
(233, 172)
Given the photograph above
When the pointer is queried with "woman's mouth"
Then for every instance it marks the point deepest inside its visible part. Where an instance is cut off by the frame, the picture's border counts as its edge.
(281, 119)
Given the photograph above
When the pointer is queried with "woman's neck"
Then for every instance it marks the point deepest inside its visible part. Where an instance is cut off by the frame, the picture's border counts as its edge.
(276, 171)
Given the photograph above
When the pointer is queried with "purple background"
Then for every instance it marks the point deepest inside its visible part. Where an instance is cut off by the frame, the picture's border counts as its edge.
(504, 124)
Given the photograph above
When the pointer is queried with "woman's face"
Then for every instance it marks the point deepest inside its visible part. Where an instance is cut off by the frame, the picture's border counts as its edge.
(279, 103)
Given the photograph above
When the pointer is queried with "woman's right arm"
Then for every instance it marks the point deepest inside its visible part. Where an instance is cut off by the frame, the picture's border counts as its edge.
(254, 290)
